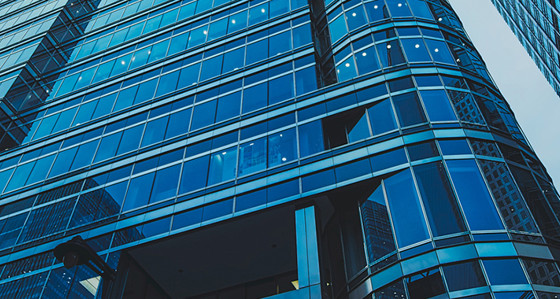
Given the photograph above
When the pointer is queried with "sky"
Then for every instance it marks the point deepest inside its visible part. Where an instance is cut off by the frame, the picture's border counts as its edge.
(533, 101)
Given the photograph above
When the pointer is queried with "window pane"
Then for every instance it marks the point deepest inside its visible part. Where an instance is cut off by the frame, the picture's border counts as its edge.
(222, 166)
(203, 115)
(437, 105)
(377, 227)
(409, 110)
(252, 156)
(504, 272)
(367, 60)
(228, 106)
(474, 197)
(440, 204)
(165, 183)
(406, 212)
(138, 191)
(282, 147)
(311, 138)
(382, 117)
(390, 53)
(194, 174)
(415, 50)
(464, 276)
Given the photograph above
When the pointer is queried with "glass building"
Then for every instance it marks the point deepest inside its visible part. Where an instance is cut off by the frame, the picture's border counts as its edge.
(265, 148)
(535, 23)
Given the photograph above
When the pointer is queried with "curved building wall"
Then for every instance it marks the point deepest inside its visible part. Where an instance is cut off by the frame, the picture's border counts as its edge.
(375, 120)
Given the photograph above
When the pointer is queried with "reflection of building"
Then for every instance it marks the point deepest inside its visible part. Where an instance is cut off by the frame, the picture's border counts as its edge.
(248, 149)
(536, 26)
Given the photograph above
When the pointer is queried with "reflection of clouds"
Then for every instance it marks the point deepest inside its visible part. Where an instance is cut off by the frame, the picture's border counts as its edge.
(532, 99)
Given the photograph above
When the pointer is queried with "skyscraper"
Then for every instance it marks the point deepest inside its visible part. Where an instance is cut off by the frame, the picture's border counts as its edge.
(535, 23)
(250, 149)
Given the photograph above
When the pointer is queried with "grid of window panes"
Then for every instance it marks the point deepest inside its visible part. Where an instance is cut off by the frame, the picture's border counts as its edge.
(171, 115)
(535, 23)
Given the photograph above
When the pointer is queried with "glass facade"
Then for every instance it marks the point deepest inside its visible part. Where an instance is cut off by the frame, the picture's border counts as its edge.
(264, 148)
(535, 23)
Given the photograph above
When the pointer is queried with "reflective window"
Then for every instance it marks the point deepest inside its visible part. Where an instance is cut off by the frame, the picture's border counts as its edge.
(507, 271)
(406, 212)
(252, 156)
(194, 174)
(382, 117)
(409, 110)
(165, 183)
(377, 229)
(437, 105)
(222, 166)
(464, 276)
(138, 191)
(311, 138)
(282, 147)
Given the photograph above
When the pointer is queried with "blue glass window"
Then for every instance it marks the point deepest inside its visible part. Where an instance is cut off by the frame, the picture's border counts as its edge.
(233, 60)
(337, 28)
(108, 147)
(377, 226)
(454, 147)
(409, 110)
(250, 200)
(237, 21)
(187, 218)
(217, 209)
(40, 170)
(464, 276)
(280, 43)
(306, 80)
(390, 53)
(211, 67)
(355, 18)
(178, 123)
(131, 139)
(420, 9)
(283, 190)
(440, 204)
(167, 83)
(439, 51)
(138, 191)
(398, 8)
(282, 147)
(165, 183)
(222, 166)
(346, 70)
(188, 76)
(311, 138)
(382, 117)
(194, 174)
(377, 10)
(63, 162)
(258, 14)
(252, 156)
(218, 29)
(145, 91)
(84, 154)
(255, 97)
(126, 98)
(437, 105)
(257, 51)
(415, 50)
(406, 213)
(474, 197)
(228, 106)
(203, 115)
(506, 271)
(198, 36)
(367, 60)
(280, 89)
(155, 131)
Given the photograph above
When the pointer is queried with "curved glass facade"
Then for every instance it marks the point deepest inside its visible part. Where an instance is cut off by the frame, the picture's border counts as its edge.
(291, 149)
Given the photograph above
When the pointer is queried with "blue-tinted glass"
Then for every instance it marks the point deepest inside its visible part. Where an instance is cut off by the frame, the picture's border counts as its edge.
(406, 212)
(388, 159)
(104, 105)
(302, 36)
(233, 60)
(62, 163)
(474, 197)
(188, 76)
(355, 18)
(390, 53)
(359, 130)
(367, 60)
(165, 183)
(140, 57)
(257, 51)
(352, 170)
(255, 97)
(131, 139)
(197, 36)
(108, 147)
(211, 67)
(138, 191)
(258, 14)
(218, 29)
(454, 147)
(178, 123)
(278, 7)
(306, 80)
(155, 131)
(84, 155)
(222, 166)
(237, 21)
(250, 200)
(440, 204)
(228, 106)
(311, 138)
(158, 51)
(514, 295)
(409, 110)
(20, 176)
(377, 10)
(420, 9)
(280, 89)
(280, 43)
(126, 98)
(427, 80)
(346, 70)
(337, 28)
(252, 156)
(217, 209)
(178, 43)
(85, 113)
(103, 71)
(464, 276)
(504, 272)
(437, 105)
(194, 174)
(145, 91)
(40, 170)
(317, 180)
(187, 218)
(282, 190)
(422, 150)
(415, 50)
(203, 115)
(121, 65)
(282, 147)
(167, 83)
(156, 227)
(377, 226)
(439, 51)
(382, 117)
